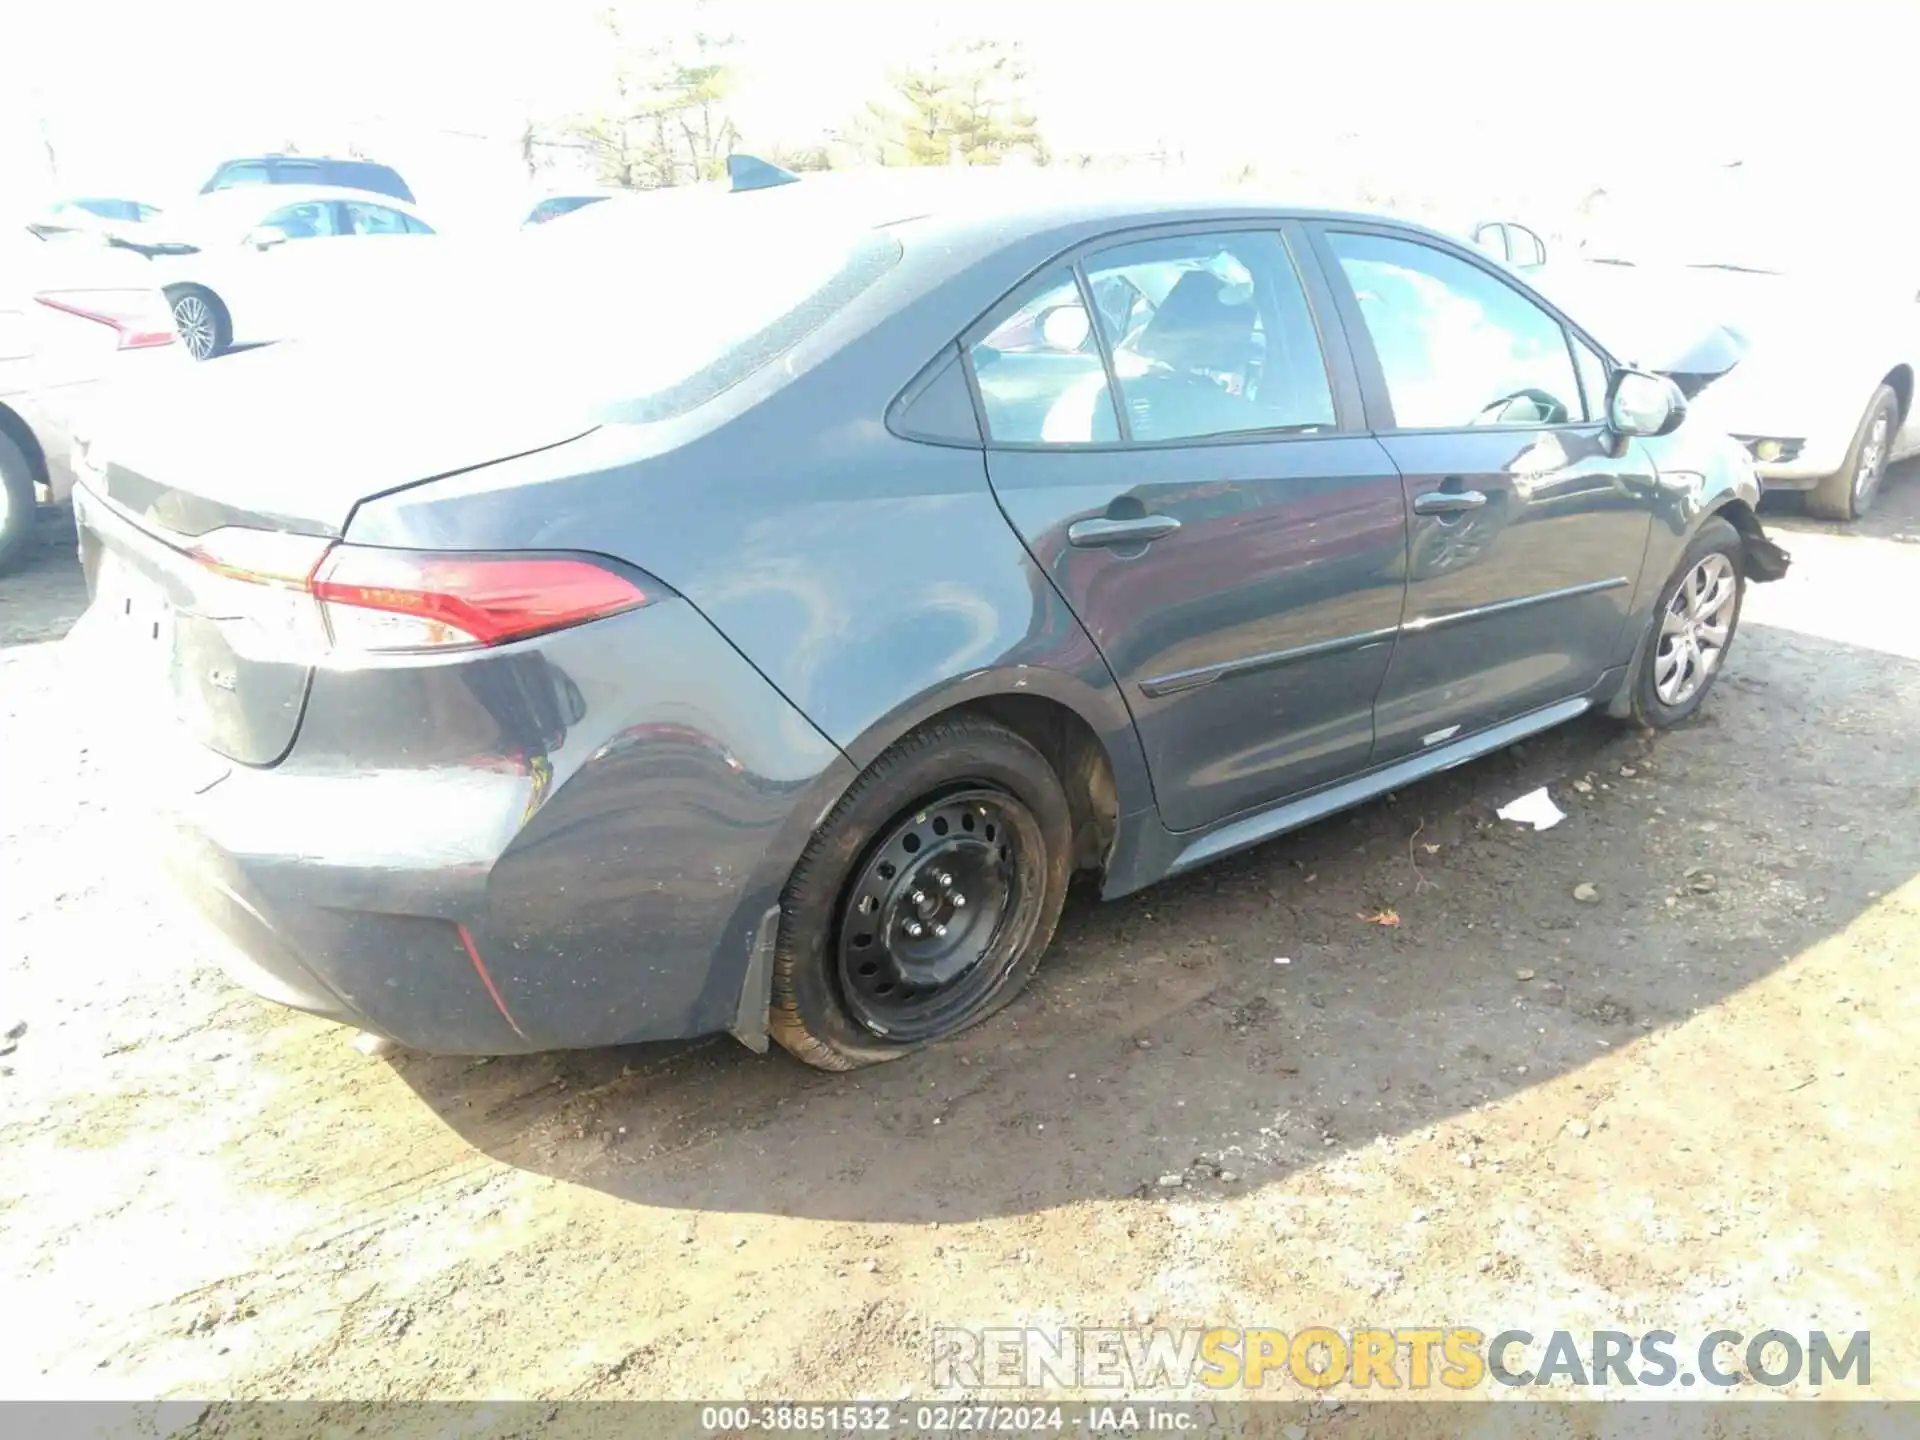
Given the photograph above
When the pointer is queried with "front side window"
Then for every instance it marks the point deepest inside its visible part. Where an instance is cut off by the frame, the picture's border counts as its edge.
(1457, 346)
(1041, 378)
(307, 221)
(1210, 335)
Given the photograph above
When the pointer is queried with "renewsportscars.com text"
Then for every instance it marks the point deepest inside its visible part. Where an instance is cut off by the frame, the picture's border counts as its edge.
(1419, 1357)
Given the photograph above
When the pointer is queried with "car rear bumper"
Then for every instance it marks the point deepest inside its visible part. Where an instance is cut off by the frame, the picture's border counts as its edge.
(566, 843)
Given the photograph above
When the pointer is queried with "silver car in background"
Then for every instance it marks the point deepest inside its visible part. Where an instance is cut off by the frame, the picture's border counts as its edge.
(76, 312)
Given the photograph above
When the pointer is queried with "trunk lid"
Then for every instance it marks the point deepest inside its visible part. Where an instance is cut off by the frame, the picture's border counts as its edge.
(282, 443)
(294, 436)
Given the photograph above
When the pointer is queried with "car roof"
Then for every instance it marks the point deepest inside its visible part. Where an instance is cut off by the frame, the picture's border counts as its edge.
(962, 209)
(315, 159)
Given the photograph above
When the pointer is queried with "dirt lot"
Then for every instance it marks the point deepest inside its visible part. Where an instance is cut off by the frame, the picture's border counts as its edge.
(1688, 1101)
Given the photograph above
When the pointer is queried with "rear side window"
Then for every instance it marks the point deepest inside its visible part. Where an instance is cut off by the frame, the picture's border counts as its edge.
(1456, 345)
(1041, 377)
(374, 220)
(310, 220)
(1211, 335)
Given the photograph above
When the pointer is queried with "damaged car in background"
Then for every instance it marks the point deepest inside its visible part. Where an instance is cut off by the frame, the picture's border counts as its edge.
(1823, 393)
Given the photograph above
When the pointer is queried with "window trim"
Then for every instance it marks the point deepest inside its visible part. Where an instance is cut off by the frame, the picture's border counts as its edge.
(1122, 423)
(1343, 384)
(1373, 381)
(1596, 406)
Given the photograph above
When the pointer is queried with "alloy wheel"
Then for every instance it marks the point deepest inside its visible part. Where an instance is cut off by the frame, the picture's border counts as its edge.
(929, 926)
(194, 319)
(1695, 629)
(1873, 461)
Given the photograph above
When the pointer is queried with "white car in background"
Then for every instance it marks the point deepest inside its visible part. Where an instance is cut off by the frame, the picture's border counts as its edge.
(261, 263)
(75, 314)
(1823, 398)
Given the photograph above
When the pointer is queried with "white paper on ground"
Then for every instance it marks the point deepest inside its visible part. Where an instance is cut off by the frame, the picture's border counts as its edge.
(1535, 808)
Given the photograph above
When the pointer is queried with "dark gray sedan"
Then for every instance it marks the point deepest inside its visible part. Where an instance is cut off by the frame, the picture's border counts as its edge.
(754, 625)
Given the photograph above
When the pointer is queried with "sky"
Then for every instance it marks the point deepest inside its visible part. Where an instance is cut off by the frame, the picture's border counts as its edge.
(1472, 96)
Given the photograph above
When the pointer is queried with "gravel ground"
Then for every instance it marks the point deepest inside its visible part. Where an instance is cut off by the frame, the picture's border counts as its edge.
(1684, 1099)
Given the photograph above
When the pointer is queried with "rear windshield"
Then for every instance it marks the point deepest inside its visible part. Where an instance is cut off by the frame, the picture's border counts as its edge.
(346, 174)
(651, 306)
(364, 175)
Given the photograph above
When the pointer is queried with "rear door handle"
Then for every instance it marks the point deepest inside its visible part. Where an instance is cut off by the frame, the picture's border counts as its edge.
(1099, 531)
(1448, 502)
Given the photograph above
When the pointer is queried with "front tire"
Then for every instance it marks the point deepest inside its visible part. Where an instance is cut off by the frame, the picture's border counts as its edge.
(1848, 493)
(1692, 629)
(17, 500)
(925, 900)
(205, 328)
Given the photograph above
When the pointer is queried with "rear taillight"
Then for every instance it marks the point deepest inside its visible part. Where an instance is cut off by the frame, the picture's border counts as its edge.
(357, 599)
(141, 318)
(409, 600)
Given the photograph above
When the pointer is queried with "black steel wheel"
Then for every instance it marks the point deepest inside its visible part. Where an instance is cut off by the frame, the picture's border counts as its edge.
(932, 916)
(925, 899)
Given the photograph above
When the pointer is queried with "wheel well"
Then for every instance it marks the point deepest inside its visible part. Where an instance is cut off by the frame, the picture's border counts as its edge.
(1764, 560)
(174, 292)
(1074, 751)
(16, 430)
(1739, 514)
(1900, 380)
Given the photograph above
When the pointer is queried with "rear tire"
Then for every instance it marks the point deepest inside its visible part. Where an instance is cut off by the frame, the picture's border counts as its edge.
(1848, 493)
(1678, 662)
(875, 959)
(206, 330)
(18, 503)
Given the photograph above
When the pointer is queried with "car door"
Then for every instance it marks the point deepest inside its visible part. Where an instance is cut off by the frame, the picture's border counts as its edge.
(1190, 469)
(1528, 518)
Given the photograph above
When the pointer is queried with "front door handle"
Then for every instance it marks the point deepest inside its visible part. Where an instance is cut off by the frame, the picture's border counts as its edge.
(1448, 502)
(1099, 531)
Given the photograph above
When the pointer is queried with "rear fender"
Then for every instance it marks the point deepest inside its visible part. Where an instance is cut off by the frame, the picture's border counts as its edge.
(1099, 707)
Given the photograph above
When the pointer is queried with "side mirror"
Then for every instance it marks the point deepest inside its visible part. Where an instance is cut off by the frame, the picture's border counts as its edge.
(265, 237)
(1643, 404)
(1065, 328)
